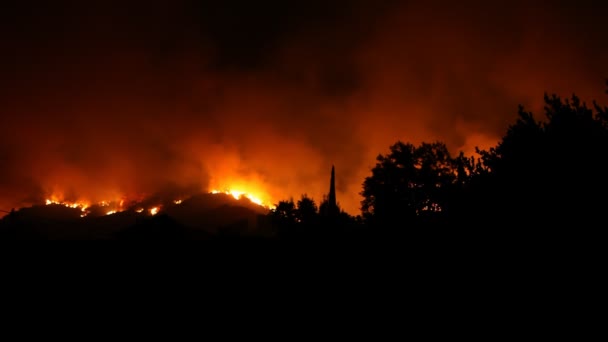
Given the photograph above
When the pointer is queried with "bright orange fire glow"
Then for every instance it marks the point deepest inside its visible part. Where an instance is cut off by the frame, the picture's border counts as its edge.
(231, 177)
(83, 206)
(76, 205)
(237, 190)
(238, 194)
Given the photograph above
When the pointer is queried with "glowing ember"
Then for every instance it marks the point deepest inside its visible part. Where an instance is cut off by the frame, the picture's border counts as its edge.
(111, 212)
(140, 210)
(154, 211)
(177, 201)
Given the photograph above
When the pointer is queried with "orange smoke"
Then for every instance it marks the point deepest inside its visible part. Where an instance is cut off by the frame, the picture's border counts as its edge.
(101, 105)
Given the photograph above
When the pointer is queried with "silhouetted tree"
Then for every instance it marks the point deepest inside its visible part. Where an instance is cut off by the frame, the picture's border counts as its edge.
(284, 218)
(409, 183)
(602, 111)
(285, 212)
(325, 208)
(545, 174)
(305, 220)
(307, 212)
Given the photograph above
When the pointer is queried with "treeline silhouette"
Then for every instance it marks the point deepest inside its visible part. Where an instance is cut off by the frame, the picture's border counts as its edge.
(546, 178)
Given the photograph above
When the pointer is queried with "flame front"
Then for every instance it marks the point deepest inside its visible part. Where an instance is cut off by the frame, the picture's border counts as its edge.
(83, 206)
(238, 194)
(238, 191)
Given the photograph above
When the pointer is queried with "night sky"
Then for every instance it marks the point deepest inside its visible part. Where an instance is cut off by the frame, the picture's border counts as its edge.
(107, 99)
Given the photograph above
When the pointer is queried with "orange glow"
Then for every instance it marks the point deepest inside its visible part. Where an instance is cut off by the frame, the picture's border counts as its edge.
(75, 205)
(254, 197)
(111, 126)
(111, 207)
(84, 206)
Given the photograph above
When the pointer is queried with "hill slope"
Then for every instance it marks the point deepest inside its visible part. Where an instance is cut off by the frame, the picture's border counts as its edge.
(199, 217)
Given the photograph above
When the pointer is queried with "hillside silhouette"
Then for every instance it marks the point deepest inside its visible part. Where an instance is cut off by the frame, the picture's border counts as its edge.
(201, 216)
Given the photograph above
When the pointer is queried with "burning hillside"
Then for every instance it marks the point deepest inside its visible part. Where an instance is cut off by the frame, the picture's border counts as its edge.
(204, 213)
(152, 205)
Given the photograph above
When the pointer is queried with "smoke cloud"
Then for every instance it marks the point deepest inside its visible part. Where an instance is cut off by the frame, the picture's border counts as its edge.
(105, 100)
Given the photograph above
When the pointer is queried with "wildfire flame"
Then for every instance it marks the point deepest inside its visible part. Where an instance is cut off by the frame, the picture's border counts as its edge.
(116, 206)
(85, 206)
(113, 207)
(237, 194)
(74, 205)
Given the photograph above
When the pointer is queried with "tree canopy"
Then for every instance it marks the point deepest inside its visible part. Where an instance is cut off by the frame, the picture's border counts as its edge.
(542, 173)
(410, 182)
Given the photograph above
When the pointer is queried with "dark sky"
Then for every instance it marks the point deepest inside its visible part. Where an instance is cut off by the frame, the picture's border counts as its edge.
(103, 99)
